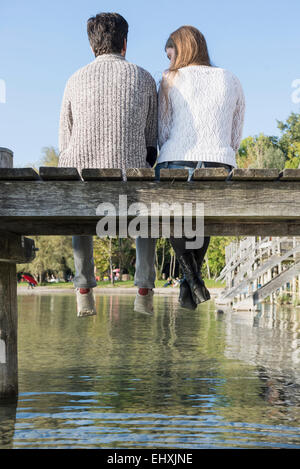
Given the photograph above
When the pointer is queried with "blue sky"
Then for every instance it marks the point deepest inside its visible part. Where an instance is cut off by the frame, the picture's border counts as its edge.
(42, 43)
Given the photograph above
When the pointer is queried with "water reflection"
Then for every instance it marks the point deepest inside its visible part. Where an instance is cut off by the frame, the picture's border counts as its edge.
(178, 379)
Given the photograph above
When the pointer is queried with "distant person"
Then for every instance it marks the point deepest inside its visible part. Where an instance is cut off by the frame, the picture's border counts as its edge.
(168, 282)
(108, 120)
(200, 120)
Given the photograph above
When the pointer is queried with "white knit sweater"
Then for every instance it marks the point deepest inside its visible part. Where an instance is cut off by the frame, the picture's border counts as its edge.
(204, 116)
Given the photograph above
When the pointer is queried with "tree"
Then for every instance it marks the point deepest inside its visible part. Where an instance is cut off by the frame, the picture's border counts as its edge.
(49, 157)
(106, 254)
(216, 255)
(290, 139)
(274, 158)
(55, 254)
(261, 151)
(162, 251)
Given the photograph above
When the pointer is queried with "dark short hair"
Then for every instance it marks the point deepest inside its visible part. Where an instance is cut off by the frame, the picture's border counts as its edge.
(106, 32)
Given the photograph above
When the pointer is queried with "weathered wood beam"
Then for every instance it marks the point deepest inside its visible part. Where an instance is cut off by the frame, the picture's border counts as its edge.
(16, 249)
(52, 173)
(105, 174)
(144, 174)
(13, 248)
(171, 175)
(222, 199)
(75, 225)
(253, 174)
(6, 158)
(210, 174)
(289, 174)
(246, 202)
(8, 331)
(18, 174)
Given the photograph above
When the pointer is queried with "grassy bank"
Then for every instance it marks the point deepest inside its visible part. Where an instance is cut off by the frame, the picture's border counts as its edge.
(210, 283)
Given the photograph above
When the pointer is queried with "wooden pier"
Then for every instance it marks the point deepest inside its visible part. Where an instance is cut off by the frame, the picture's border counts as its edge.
(60, 201)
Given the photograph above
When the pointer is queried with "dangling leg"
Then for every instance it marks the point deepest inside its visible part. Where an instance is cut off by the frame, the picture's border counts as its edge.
(190, 261)
(84, 279)
(145, 274)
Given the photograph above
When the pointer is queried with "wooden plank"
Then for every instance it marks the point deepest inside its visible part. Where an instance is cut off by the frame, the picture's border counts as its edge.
(253, 174)
(174, 174)
(18, 174)
(140, 174)
(53, 173)
(289, 174)
(246, 199)
(8, 331)
(240, 207)
(16, 249)
(69, 226)
(103, 174)
(210, 174)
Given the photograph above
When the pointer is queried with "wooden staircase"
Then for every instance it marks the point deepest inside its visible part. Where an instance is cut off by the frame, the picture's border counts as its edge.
(257, 269)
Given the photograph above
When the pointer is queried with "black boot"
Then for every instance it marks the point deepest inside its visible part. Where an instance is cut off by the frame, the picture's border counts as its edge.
(185, 296)
(191, 272)
(198, 265)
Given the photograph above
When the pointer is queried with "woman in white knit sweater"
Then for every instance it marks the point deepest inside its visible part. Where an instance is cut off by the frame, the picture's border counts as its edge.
(200, 120)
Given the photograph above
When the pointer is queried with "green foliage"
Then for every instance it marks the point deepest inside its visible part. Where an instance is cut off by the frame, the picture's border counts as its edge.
(120, 252)
(102, 254)
(290, 139)
(260, 151)
(216, 254)
(55, 253)
(274, 158)
(49, 157)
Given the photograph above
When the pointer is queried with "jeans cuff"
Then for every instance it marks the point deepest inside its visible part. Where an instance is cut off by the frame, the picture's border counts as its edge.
(85, 286)
(144, 285)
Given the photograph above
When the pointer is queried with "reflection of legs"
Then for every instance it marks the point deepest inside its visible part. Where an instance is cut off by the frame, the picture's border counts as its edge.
(145, 262)
(84, 261)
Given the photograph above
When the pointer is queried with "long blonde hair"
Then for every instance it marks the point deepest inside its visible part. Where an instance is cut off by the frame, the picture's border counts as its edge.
(190, 49)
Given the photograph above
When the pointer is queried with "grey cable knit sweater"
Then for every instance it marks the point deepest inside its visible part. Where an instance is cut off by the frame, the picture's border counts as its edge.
(108, 116)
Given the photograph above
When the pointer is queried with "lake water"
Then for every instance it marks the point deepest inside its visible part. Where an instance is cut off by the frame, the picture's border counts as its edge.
(177, 379)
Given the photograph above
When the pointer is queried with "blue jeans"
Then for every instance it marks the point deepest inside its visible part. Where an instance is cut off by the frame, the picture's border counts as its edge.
(84, 261)
(145, 247)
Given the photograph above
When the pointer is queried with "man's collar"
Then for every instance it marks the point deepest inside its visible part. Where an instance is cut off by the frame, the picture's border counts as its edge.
(109, 56)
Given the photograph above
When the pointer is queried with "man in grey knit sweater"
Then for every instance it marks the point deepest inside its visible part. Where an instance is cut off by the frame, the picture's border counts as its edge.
(108, 120)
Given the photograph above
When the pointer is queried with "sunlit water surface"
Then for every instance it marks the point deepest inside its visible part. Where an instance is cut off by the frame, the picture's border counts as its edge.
(178, 379)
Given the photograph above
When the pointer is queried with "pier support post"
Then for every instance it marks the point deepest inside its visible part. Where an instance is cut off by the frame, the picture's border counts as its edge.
(6, 158)
(8, 330)
(14, 249)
